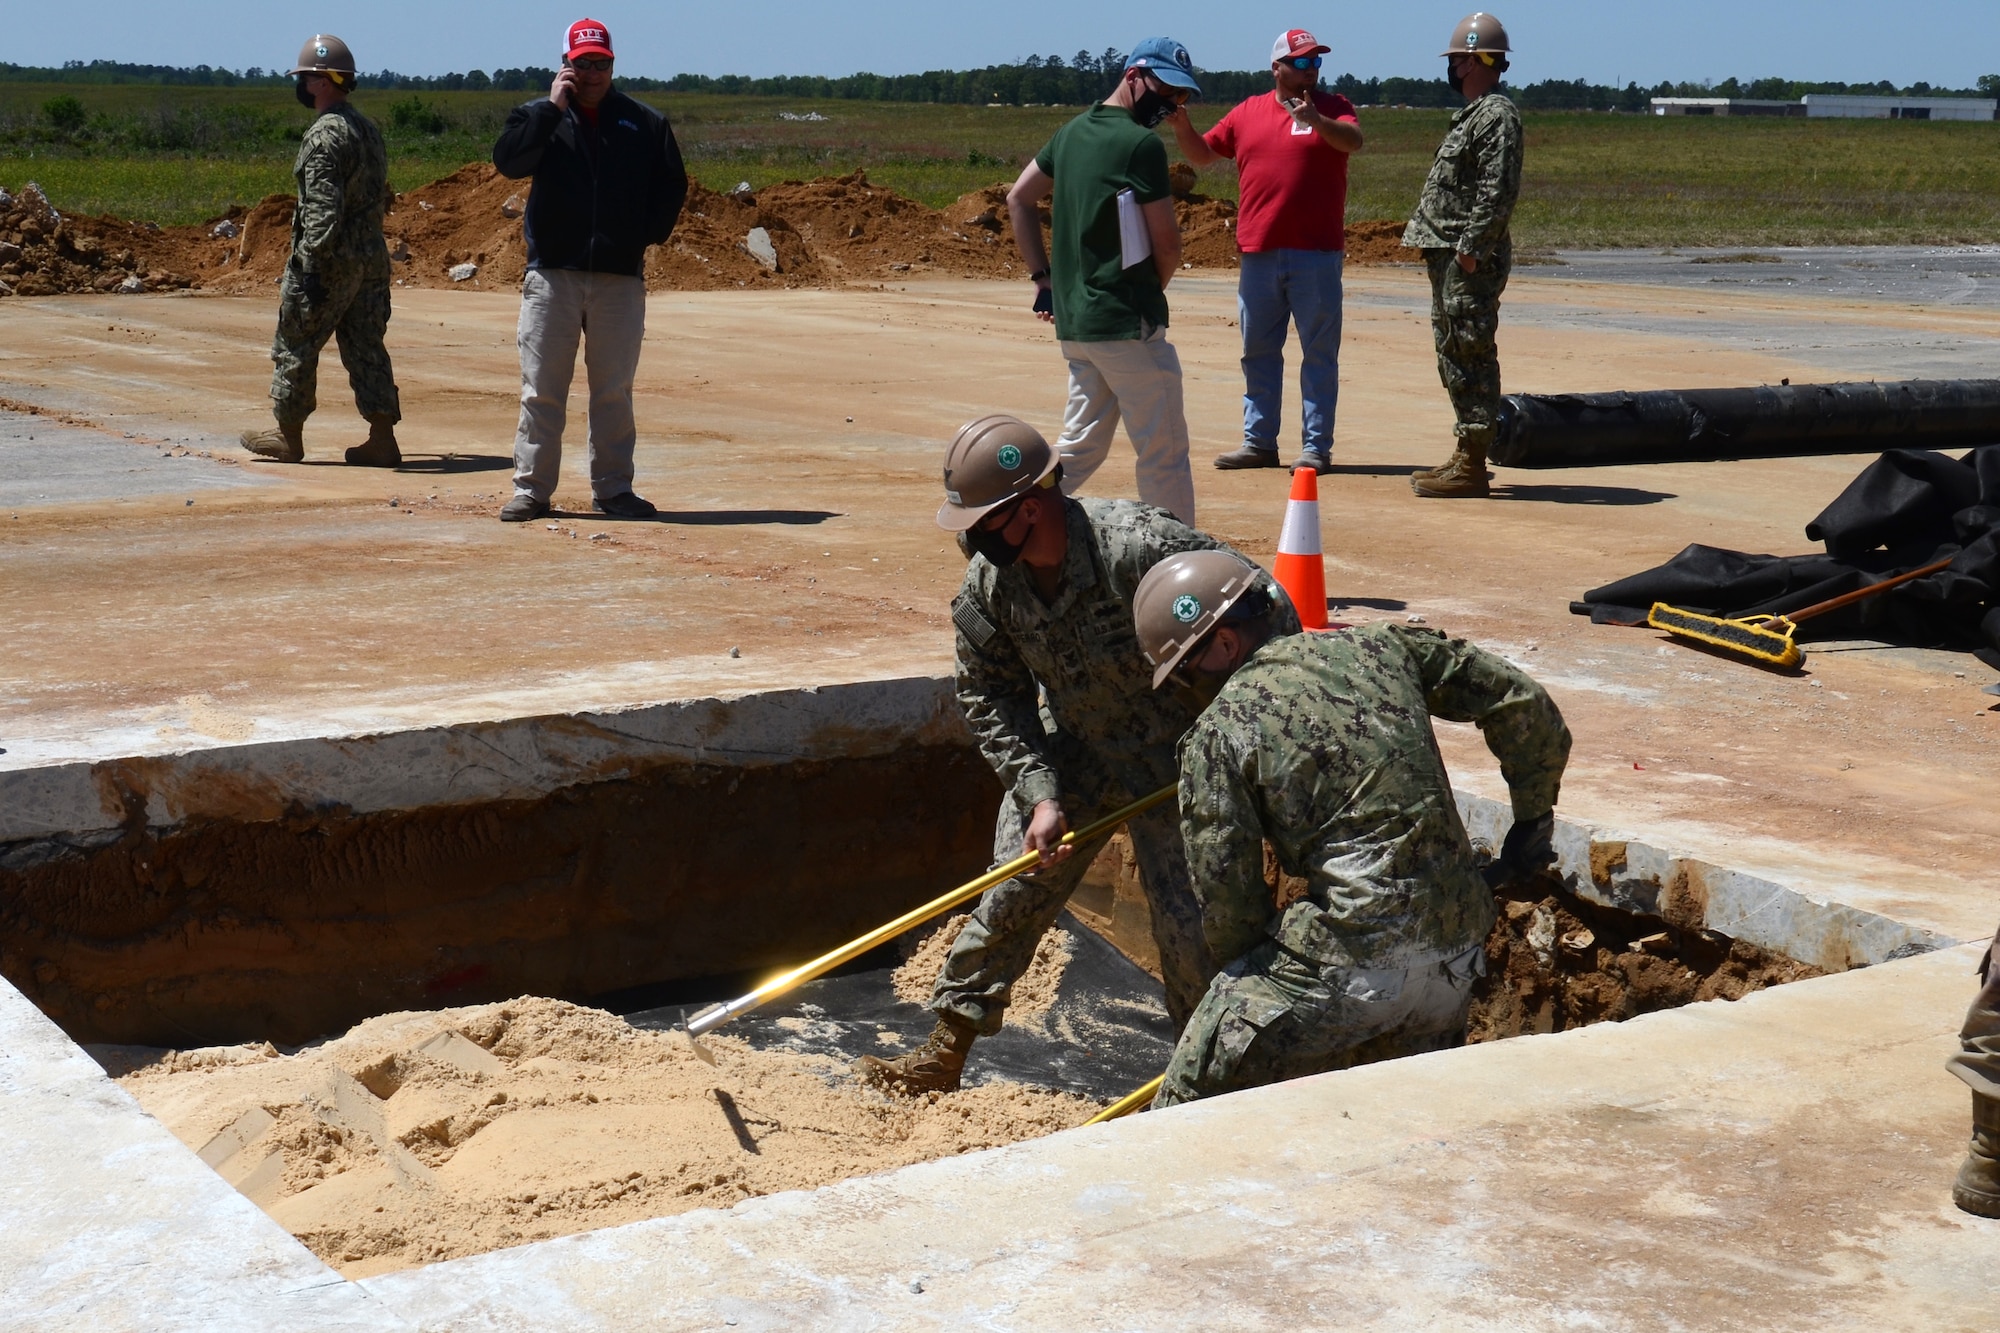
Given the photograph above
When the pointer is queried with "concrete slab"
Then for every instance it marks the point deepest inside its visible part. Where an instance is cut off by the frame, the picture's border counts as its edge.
(1782, 1162)
(44, 462)
(313, 605)
(111, 1222)
(1915, 274)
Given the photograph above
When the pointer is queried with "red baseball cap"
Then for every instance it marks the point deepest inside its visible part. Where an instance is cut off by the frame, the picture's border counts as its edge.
(1296, 42)
(587, 37)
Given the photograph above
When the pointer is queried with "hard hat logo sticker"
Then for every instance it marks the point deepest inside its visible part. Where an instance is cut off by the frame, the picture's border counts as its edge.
(1010, 457)
(320, 51)
(1187, 608)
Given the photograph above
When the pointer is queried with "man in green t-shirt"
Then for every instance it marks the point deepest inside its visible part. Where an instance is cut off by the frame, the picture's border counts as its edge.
(1115, 244)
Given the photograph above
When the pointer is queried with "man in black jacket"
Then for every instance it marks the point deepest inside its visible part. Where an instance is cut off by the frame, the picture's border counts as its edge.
(608, 182)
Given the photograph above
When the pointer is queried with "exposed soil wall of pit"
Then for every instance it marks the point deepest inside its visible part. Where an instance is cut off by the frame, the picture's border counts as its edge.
(220, 931)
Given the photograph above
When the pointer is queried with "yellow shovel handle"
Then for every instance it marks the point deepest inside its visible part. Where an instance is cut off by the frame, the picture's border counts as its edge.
(716, 1015)
(1130, 1102)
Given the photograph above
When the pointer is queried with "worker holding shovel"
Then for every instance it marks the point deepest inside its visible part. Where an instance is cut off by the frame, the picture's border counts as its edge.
(1044, 623)
(1321, 744)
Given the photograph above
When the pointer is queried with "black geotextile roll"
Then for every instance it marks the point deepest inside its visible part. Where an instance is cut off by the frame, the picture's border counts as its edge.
(1906, 509)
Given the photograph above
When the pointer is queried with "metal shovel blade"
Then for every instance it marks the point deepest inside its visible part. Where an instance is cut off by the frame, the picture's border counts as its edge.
(694, 1042)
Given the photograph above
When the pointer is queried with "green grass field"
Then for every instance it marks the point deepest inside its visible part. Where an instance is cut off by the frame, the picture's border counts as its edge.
(183, 155)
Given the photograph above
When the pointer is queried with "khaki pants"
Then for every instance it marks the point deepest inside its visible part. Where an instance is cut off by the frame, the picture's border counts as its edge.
(606, 312)
(1140, 380)
(1978, 1060)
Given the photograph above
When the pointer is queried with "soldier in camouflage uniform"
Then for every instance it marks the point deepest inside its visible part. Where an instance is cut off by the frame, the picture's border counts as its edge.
(336, 284)
(1322, 745)
(1059, 698)
(1461, 226)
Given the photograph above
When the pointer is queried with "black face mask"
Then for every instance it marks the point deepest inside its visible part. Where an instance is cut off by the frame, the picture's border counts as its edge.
(305, 97)
(1150, 108)
(999, 552)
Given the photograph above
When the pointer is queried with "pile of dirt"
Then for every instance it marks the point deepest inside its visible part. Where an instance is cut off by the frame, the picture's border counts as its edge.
(44, 253)
(1030, 998)
(1555, 962)
(464, 230)
(417, 1137)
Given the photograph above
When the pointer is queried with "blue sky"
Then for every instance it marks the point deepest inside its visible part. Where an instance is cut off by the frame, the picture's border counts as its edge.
(1944, 42)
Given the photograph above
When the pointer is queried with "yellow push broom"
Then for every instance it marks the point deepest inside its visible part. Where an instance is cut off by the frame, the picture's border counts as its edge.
(1766, 639)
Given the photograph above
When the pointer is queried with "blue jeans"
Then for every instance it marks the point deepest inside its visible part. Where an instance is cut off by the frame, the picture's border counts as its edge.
(1277, 287)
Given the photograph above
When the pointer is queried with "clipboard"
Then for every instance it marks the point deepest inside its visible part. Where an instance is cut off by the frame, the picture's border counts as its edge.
(1135, 242)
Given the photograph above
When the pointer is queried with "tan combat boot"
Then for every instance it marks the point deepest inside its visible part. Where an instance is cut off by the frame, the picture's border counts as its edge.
(1465, 476)
(280, 444)
(379, 449)
(1977, 1189)
(932, 1067)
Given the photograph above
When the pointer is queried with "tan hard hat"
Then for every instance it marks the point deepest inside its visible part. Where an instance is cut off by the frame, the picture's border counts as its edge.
(1478, 34)
(991, 461)
(1184, 597)
(324, 53)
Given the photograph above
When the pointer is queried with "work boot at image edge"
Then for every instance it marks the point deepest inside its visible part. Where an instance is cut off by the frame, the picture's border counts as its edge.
(933, 1067)
(1464, 476)
(1246, 456)
(1977, 1189)
(281, 443)
(379, 449)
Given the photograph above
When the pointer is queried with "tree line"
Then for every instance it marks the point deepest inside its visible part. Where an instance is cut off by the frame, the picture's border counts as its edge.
(1032, 80)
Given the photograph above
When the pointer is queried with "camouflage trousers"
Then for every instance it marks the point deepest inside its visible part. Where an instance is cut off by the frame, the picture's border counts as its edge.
(1465, 320)
(996, 945)
(1272, 1015)
(1978, 1059)
(350, 303)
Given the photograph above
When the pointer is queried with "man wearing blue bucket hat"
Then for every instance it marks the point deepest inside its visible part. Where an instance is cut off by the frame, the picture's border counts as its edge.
(1113, 246)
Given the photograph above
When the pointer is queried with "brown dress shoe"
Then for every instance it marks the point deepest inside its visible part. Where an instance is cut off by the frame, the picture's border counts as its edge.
(934, 1066)
(280, 444)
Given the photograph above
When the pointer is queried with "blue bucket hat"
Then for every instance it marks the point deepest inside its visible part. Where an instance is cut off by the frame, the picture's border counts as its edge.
(1166, 60)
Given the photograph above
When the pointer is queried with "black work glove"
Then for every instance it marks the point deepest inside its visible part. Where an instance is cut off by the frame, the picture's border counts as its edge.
(313, 289)
(1528, 850)
(1045, 301)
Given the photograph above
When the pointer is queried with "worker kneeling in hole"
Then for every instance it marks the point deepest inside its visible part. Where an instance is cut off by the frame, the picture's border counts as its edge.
(1060, 700)
(1322, 745)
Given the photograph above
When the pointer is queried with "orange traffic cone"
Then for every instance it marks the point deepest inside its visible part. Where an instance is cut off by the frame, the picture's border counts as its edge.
(1299, 569)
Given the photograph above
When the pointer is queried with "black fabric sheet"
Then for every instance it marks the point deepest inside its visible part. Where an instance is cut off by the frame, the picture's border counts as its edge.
(1908, 508)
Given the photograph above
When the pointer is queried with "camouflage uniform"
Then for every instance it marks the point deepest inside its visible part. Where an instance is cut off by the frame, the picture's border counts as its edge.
(1322, 744)
(337, 281)
(1060, 700)
(1467, 203)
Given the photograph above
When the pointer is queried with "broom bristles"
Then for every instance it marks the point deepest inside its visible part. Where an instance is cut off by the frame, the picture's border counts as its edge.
(1741, 638)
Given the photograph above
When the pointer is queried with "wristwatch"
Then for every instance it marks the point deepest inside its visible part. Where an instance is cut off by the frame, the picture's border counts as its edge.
(1038, 275)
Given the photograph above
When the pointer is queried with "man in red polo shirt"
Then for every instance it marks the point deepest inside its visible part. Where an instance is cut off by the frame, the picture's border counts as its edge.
(1291, 147)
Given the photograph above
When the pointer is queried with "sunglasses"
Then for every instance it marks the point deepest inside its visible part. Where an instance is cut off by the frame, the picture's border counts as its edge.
(590, 62)
(1304, 62)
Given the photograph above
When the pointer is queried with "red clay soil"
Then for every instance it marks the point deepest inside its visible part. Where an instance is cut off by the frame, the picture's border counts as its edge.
(825, 232)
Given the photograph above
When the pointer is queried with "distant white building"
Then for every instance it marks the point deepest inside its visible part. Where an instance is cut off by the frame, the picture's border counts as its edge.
(1900, 108)
(1724, 106)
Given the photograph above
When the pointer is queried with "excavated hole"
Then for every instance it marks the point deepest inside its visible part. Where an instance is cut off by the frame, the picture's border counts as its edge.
(451, 1116)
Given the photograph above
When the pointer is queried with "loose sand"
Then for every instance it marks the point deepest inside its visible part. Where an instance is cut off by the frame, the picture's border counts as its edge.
(1032, 996)
(417, 1137)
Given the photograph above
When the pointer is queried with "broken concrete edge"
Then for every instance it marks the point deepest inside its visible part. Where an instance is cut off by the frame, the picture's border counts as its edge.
(62, 809)
(48, 811)
(112, 1222)
(1623, 873)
